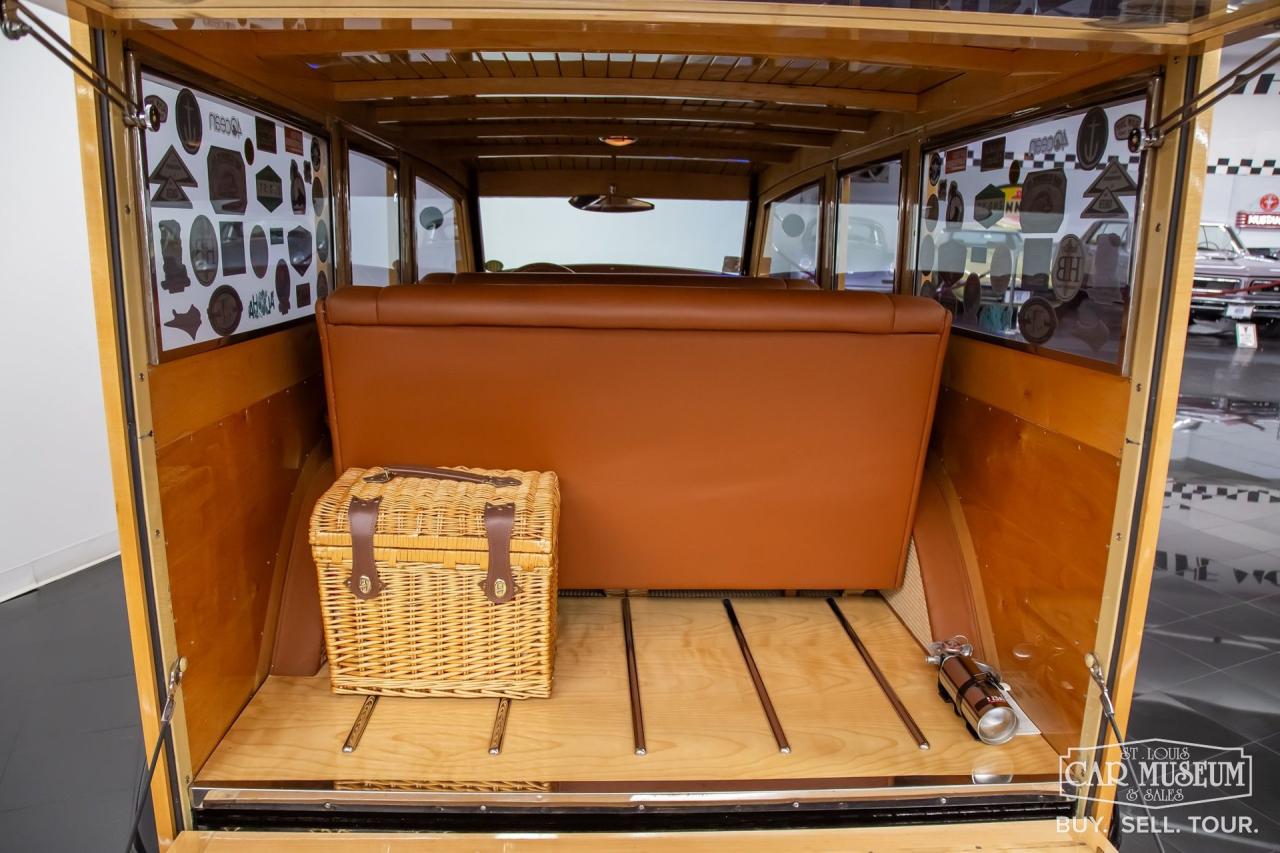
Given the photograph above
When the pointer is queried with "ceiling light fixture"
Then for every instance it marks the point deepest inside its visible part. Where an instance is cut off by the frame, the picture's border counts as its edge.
(618, 140)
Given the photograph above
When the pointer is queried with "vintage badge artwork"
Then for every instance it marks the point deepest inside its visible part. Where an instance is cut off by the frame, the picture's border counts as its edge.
(300, 249)
(259, 251)
(1044, 201)
(231, 238)
(248, 151)
(1001, 269)
(972, 294)
(1037, 320)
(1125, 126)
(302, 294)
(297, 189)
(1091, 138)
(955, 207)
(188, 321)
(282, 286)
(993, 154)
(225, 310)
(315, 153)
(988, 206)
(306, 171)
(277, 236)
(292, 141)
(931, 212)
(172, 175)
(264, 133)
(227, 191)
(262, 304)
(1105, 192)
(173, 270)
(1015, 171)
(322, 241)
(317, 196)
(268, 187)
(935, 168)
(322, 285)
(189, 121)
(1068, 268)
(204, 250)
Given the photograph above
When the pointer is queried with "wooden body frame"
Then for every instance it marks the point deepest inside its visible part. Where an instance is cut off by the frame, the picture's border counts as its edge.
(1138, 435)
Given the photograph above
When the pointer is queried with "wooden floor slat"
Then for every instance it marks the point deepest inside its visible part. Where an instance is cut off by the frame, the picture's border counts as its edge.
(703, 718)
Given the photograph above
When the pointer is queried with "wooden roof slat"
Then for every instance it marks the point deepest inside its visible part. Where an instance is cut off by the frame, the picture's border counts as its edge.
(770, 92)
(641, 130)
(640, 150)
(607, 110)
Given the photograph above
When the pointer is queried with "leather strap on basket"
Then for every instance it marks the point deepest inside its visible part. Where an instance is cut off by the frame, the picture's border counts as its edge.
(391, 471)
(499, 522)
(362, 515)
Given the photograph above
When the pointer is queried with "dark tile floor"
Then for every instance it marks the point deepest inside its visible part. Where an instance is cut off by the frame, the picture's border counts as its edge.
(71, 749)
(1210, 666)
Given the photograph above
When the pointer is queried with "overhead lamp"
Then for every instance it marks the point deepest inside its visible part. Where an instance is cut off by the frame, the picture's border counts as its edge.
(610, 202)
(618, 140)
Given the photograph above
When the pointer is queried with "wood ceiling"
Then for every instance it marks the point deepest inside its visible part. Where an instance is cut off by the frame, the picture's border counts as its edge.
(719, 114)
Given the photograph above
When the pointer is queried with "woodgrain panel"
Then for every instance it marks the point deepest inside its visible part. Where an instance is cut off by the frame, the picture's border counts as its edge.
(702, 717)
(1039, 507)
(225, 492)
(970, 837)
(190, 393)
(1086, 405)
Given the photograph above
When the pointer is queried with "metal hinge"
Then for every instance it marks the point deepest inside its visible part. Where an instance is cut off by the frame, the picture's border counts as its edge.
(1143, 138)
(17, 21)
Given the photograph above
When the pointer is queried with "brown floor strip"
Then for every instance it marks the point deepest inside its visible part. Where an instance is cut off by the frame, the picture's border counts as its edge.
(499, 726)
(903, 713)
(361, 723)
(633, 680)
(774, 723)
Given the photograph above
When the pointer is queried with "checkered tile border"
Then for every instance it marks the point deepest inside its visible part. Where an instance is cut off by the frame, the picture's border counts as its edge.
(1050, 160)
(1182, 495)
(1244, 166)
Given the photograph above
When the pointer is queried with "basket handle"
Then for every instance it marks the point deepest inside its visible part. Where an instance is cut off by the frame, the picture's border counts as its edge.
(499, 585)
(388, 472)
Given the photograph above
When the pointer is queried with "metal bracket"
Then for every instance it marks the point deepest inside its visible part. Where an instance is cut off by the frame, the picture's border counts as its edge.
(17, 22)
(1145, 138)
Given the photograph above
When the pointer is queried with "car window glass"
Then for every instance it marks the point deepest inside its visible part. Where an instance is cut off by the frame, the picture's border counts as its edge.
(867, 227)
(791, 235)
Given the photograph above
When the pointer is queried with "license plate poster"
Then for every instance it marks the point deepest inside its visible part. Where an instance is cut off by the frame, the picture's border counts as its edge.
(1027, 231)
(239, 217)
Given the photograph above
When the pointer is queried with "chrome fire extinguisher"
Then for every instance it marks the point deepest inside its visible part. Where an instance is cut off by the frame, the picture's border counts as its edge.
(974, 690)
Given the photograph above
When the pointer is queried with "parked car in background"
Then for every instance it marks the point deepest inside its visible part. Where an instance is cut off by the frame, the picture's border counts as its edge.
(1231, 285)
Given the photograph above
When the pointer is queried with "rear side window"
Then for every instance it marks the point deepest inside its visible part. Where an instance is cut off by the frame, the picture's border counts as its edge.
(375, 229)
(791, 235)
(437, 244)
(867, 227)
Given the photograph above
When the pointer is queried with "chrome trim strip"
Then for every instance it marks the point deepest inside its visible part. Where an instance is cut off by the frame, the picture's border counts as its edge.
(774, 723)
(633, 681)
(499, 726)
(360, 724)
(901, 709)
(943, 789)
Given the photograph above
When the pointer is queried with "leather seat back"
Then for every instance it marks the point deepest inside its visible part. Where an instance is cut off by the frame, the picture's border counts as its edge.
(705, 438)
(740, 282)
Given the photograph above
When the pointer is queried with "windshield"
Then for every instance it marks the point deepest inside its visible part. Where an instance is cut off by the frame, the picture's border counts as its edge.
(1220, 238)
(689, 234)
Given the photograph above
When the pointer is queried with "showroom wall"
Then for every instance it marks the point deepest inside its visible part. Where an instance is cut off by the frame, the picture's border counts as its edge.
(57, 508)
(1243, 184)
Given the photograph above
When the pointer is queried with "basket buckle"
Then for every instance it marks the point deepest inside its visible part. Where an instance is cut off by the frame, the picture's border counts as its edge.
(383, 476)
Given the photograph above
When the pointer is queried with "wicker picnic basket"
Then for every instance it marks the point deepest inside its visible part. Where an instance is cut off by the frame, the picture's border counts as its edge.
(438, 582)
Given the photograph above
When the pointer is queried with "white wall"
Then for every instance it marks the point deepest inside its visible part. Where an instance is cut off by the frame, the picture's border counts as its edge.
(56, 505)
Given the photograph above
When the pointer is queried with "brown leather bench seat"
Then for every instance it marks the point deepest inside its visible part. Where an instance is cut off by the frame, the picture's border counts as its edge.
(705, 438)
(739, 282)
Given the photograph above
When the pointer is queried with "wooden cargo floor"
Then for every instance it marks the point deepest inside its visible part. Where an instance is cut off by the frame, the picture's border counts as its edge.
(702, 716)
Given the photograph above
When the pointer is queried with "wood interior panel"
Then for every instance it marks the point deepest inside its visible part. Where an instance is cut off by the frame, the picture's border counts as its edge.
(703, 719)
(225, 492)
(195, 391)
(1039, 507)
(1087, 405)
(968, 838)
